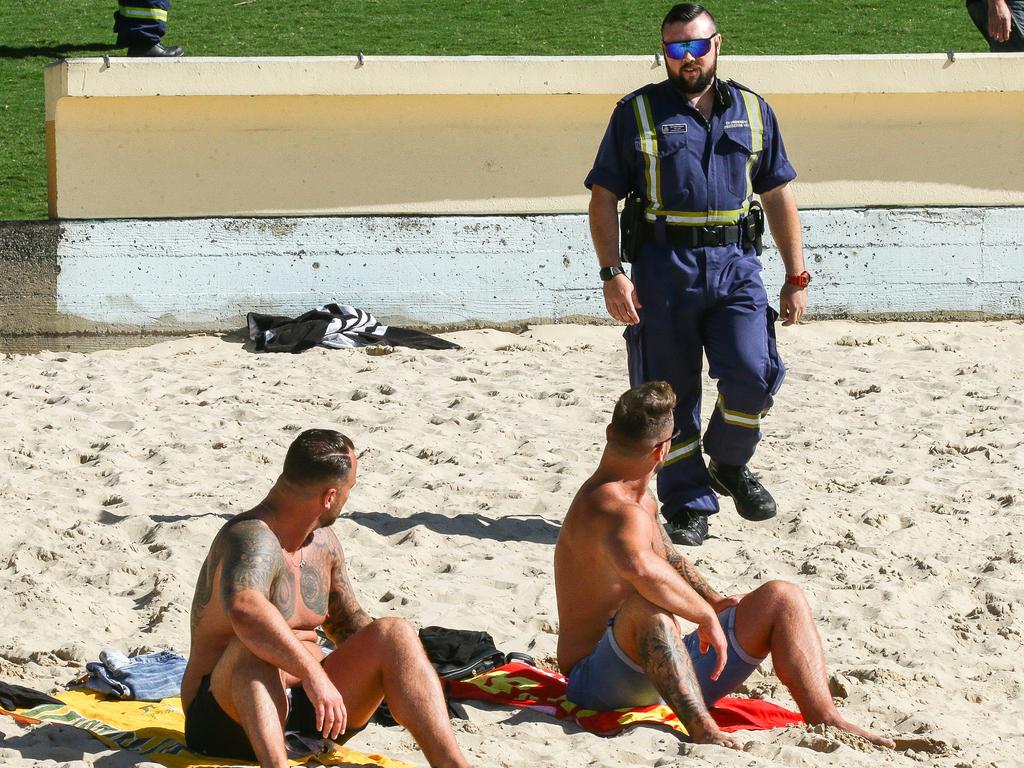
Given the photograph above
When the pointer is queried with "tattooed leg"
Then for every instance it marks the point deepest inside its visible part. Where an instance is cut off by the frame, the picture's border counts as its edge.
(668, 667)
(651, 637)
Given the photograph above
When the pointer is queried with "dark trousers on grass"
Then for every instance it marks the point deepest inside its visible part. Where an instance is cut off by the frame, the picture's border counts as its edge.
(140, 22)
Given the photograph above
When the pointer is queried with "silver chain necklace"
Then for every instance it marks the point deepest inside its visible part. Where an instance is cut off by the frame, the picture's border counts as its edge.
(302, 555)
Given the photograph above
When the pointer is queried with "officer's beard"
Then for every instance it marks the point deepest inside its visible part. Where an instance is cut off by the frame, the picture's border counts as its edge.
(692, 86)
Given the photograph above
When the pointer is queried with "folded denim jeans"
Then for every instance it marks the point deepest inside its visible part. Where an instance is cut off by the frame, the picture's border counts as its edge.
(148, 677)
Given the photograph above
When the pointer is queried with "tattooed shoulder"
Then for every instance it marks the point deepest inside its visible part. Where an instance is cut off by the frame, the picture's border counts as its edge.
(327, 542)
(251, 558)
(204, 585)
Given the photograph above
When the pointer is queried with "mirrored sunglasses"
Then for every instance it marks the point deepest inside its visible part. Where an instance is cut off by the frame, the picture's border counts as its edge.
(696, 48)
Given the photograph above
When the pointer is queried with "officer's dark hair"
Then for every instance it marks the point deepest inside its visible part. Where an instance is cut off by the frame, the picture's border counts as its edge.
(686, 12)
(318, 456)
(642, 416)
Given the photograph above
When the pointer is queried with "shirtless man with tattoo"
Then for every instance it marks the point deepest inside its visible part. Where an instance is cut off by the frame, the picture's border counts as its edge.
(274, 574)
(621, 585)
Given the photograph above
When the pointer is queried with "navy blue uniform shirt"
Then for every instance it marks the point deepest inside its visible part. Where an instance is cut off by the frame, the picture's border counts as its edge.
(690, 171)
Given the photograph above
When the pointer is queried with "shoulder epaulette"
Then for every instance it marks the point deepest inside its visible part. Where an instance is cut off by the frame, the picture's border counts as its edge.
(639, 91)
(742, 87)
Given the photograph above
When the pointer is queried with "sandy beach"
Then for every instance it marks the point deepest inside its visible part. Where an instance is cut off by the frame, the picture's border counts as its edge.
(895, 451)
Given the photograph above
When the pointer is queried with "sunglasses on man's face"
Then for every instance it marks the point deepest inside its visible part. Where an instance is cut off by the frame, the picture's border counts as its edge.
(671, 438)
(696, 48)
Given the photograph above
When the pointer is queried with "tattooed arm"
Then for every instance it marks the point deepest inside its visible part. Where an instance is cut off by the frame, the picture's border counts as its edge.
(630, 540)
(257, 603)
(345, 616)
(629, 544)
(686, 569)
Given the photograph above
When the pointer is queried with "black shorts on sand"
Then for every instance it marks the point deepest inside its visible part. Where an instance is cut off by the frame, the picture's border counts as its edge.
(209, 730)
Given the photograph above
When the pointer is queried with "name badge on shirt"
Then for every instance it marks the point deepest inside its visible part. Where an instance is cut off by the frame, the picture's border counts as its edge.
(668, 128)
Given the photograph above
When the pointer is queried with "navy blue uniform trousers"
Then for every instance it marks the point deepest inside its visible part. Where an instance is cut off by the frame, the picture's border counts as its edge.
(138, 22)
(697, 301)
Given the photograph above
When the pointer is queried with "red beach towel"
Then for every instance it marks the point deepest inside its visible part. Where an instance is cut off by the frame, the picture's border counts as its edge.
(520, 685)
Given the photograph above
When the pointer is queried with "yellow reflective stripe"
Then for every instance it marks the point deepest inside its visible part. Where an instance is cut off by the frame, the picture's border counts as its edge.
(132, 12)
(655, 197)
(754, 119)
(756, 124)
(739, 418)
(681, 451)
(649, 147)
(699, 218)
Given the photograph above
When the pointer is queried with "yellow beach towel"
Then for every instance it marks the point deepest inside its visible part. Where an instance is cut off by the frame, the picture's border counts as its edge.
(156, 730)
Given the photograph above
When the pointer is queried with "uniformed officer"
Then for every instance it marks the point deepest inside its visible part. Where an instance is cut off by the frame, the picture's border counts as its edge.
(697, 150)
(141, 24)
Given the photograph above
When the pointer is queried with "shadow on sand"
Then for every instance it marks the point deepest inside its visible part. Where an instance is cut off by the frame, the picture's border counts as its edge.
(531, 528)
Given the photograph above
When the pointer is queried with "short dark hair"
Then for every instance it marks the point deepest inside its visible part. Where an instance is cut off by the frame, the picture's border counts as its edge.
(318, 456)
(643, 413)
(686, 12)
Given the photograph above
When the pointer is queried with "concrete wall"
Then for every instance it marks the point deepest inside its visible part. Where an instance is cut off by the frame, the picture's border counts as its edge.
(909, 176)
(118, 279)
(132, 138)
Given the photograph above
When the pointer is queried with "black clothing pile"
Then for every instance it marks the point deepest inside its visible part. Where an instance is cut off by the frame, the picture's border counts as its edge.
(338, 326)
(14, 697)
(457, 654)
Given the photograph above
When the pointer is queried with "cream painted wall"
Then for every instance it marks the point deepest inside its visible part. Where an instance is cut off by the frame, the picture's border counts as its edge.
(273, 155)
(907, 149)
(215, 137)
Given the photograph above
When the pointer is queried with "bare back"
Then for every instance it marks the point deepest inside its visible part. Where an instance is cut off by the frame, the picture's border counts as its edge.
(588, 585)
(246, 554)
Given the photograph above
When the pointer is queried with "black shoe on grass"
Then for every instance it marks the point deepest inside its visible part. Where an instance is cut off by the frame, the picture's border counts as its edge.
(155, 50)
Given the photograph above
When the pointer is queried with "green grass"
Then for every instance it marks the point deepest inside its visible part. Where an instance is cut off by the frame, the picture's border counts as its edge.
(32, 34)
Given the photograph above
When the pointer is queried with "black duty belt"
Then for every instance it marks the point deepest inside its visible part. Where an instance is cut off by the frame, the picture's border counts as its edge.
(696, 237)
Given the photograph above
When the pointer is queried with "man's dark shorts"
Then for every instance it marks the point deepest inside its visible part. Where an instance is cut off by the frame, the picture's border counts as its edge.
(209, 730)
(608, 679)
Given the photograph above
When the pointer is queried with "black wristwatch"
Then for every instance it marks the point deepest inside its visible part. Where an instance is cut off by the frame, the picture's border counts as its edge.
(607, 273)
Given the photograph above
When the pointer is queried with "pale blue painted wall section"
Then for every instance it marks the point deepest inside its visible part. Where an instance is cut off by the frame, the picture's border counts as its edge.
(206, 274)
(914, 260)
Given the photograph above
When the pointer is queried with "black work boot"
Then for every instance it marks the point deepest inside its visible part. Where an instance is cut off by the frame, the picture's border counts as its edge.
(155, 50)
(752, 499)
(687, 527)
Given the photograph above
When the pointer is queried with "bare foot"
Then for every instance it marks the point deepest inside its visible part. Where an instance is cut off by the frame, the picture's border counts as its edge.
(874, 738)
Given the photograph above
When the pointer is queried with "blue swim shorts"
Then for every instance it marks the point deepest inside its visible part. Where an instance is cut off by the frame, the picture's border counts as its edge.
(609, 679)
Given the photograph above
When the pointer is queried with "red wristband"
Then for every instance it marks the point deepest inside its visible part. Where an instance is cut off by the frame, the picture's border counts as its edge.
(801, 281)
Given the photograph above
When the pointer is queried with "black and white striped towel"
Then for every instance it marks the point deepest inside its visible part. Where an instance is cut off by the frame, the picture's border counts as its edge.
(338, 326)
